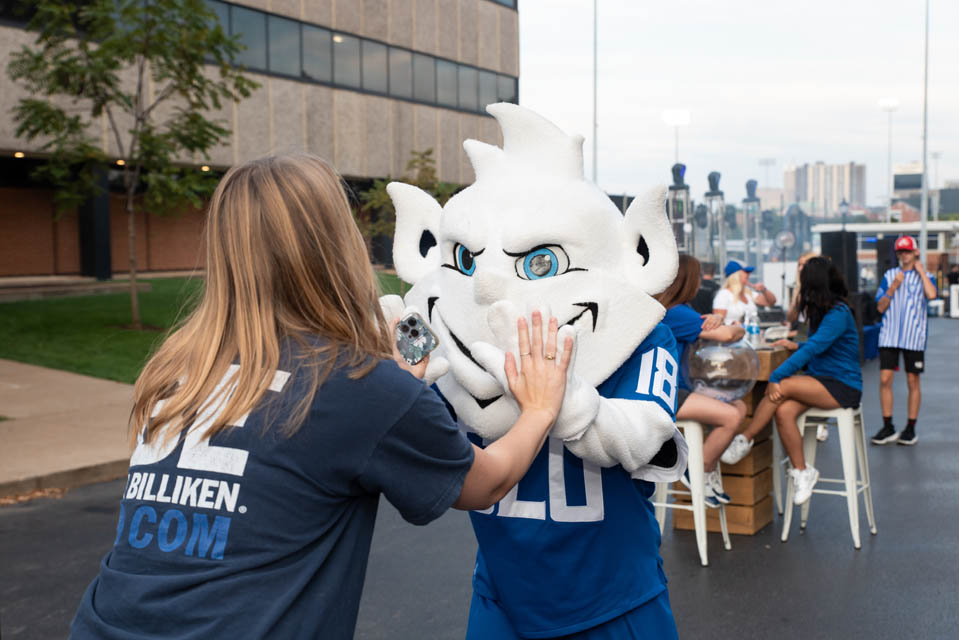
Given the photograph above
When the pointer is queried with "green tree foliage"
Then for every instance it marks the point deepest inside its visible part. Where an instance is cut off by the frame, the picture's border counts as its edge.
(94, 60)
(376, 215)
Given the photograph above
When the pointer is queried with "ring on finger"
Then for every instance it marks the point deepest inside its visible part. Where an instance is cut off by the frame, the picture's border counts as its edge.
(550, 356)
(524, 354)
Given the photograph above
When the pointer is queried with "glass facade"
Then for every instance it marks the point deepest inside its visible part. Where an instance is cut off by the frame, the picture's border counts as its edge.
(287, 47)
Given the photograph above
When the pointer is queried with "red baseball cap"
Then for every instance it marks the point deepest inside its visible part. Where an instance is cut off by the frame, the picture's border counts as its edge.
(906, 243)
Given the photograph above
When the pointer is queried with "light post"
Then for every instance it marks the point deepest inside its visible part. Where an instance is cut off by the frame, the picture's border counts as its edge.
(676, 118)
(716, 204)
(843, 210)
(751, 214)
(595, 83)
(678, 210)
(923, 236)
(889, 105)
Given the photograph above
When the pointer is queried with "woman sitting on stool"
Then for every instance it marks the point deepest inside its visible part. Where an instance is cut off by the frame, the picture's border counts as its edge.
(687, 327)
(833, 379)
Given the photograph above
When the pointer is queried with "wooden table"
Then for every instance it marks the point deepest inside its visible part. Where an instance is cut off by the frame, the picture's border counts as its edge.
(749, 482)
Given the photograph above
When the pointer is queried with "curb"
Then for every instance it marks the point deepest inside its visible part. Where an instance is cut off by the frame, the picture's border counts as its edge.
(69, 479)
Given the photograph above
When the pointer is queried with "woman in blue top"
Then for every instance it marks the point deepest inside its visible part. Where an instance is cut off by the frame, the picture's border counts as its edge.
(688, 326)
(833, 377)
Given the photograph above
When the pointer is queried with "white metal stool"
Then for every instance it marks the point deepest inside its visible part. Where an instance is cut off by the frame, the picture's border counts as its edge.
(780, 461)
(852, 443)
(693, 432)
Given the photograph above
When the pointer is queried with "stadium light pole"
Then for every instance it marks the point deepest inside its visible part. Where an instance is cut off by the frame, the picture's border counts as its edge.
(676, 118)
(889, 105)
(924, 211)
(595, 84)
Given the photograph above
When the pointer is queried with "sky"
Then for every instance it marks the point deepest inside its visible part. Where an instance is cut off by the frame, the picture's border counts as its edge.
(794, 80)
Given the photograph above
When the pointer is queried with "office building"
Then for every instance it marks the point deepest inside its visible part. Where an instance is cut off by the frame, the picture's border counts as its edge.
(362, 83)
(820, 187)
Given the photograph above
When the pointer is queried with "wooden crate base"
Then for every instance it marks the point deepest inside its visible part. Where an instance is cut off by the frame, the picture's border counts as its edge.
(740, 520)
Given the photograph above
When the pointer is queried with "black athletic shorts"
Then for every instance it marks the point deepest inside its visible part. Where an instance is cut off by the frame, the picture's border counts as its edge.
(847, 397)
(889, 359)
(681, 395)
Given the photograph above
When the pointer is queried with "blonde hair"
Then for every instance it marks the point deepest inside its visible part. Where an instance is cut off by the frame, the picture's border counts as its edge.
(734, 284)
(284, 261)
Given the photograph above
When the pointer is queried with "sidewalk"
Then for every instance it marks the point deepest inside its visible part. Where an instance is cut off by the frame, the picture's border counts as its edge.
(61, 429)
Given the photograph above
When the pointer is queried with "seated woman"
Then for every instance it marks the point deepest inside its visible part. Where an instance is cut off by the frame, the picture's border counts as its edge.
(833, 377)
(687, 327)
(736, 299)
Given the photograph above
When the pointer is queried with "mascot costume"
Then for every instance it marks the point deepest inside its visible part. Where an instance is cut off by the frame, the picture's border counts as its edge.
(574, 547)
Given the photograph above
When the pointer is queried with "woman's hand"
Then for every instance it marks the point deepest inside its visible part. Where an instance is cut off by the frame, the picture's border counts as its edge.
(711, 321)
(786, 344)
(418, 369)
(540, 385)
(774, 391)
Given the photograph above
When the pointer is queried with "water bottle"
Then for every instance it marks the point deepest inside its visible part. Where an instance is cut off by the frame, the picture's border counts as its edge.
(752, 329)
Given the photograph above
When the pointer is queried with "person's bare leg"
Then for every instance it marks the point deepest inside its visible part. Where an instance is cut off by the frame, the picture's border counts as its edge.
(885, 391)
(915, 395)
(804, 389)
(761, 417)
(725, 417)
(786, 414)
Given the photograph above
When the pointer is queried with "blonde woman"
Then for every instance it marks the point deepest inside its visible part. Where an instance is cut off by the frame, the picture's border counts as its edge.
(736, 299)
(268, 425)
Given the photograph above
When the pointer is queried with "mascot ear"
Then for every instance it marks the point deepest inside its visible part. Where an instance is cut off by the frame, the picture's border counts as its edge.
(650, 246)
(416, 250)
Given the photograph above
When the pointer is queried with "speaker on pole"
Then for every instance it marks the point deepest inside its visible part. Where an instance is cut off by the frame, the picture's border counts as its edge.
(840, 246)
(885, 256)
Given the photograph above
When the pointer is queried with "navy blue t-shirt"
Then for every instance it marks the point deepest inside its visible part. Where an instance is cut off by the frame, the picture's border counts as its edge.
(686, 325)
(253, 534)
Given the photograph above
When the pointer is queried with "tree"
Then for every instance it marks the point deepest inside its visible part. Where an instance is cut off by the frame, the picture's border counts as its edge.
(75, 75)
(376, 215)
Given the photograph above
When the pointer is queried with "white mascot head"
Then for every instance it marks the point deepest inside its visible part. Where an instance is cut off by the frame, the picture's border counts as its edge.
(531, 231)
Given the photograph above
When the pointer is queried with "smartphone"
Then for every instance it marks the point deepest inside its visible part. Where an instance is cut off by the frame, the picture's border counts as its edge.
(414, 338)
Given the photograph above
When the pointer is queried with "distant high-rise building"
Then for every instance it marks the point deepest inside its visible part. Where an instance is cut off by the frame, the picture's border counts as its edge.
(820, 187)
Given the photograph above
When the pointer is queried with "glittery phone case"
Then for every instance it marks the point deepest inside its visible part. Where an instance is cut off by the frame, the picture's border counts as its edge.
(414, 338)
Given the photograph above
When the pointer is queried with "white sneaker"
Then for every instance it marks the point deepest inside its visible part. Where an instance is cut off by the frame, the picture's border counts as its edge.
(803, 481)
(714, 481)
(736, 450)
(822, 433)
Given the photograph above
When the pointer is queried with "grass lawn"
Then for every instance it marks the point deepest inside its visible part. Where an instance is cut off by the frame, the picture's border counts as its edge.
(84, 334)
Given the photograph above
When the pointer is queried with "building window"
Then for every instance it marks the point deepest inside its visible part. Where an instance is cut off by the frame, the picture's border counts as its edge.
(251, 27)
(317, 54)
(222, 12)
(468, 83)
(287, 47)
(401, 73)
(284, 46)
(346, 60)
(487, 88)
(374, 66)
(424, 78)
(446, 83)
(506, 89)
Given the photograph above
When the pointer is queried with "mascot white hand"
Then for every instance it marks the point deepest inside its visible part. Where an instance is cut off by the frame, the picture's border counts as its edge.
(580, 402)
(605, 431)
(394, 310)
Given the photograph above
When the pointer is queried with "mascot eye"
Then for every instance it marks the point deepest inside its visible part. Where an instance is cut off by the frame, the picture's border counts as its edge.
(542, 262)
(464, 260)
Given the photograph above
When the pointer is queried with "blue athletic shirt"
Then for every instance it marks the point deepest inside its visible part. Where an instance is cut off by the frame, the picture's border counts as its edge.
(686, 325)
(832, 351)
(573, 545)
(255, 535)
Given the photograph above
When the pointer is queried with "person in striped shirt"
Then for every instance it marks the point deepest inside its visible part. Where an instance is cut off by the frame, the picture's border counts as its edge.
(902, 300)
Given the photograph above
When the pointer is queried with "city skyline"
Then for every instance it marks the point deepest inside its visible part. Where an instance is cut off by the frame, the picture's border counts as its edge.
(794, 83)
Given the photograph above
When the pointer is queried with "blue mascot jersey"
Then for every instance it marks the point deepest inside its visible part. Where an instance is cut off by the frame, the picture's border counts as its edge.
(573, 545)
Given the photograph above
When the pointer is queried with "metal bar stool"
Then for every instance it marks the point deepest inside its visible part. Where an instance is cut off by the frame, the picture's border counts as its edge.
(693, 432)
(852, 443)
